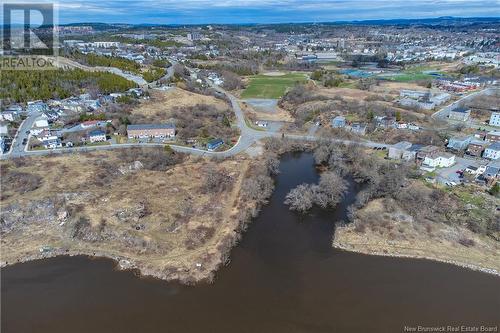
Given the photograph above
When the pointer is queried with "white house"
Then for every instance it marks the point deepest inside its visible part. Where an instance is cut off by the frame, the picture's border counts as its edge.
(438, 160)
(45, 135)
(52, 144)
(40, 125)
(8, 115)
(97, 136)
(492, 152)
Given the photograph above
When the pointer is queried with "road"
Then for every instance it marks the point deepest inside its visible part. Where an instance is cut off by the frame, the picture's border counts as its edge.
(445, 111)
(68, 63)
(17, 148)
(248, 136)
(166, 77)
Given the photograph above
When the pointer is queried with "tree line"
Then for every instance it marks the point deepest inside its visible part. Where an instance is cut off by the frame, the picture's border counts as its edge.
(22, 86)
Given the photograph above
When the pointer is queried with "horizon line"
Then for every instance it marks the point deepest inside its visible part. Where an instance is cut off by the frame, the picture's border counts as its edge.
(289, 22)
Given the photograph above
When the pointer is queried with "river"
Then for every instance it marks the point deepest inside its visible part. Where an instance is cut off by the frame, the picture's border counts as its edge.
(284, 277)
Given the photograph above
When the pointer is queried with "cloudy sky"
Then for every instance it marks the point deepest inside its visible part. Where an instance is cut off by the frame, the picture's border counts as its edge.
(260, 11)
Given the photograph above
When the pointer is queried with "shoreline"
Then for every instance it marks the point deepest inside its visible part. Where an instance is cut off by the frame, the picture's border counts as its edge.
(120, 264)
(350, 248)
(123, 263)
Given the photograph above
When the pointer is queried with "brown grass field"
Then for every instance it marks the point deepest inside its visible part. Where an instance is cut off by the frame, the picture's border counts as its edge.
(159, 219)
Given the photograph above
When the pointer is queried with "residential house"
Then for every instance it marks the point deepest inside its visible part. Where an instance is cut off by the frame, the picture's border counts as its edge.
(459, 143)
(73, 104)
(413, 127)
(114, 96)
(385, 122)
(40, 125)
(492, 172)
(151, 131)
(461, 114)
(440, 98)
(438, 160)
(481, 135)
(214, 144)
(396, 151)
(93, 123)
(414, 94)
(358, 128)
(410, 154)
(46, 135)
(9, 115)
(338, 122)
(136, 91)
(425, 151)
(474, 170)
(51, 115)
(430, 157)
(37, 107)
(92, 104)
(493, 137)
(476, 148)
(492, 152)
(4, 129)
(495, 119)
(97, 136)
(52, 144)
(422, 99)
(15, 108)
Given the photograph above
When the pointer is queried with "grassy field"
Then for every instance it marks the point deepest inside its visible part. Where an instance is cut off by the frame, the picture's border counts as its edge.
(408, 77)
(158, 216)
(263, 86)
(413, 74)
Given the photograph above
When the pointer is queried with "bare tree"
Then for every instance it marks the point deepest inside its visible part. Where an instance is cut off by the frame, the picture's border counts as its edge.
(331, 189)
(216, 180)
(300, 198)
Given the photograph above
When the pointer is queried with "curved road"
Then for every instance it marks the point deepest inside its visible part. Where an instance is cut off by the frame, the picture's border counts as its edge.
(247, 137)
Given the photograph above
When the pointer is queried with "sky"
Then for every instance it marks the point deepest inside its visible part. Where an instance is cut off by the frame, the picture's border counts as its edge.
(260, 11)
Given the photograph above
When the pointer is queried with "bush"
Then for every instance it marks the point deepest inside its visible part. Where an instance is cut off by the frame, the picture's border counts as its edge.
(215, 180)
(300, 198)
(19, 182)
(467, 242)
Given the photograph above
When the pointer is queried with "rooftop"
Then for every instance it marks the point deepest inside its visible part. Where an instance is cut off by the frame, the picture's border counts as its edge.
(150, 126)
(494, 146)
(402, 145)
(97, 132)
(461, 110)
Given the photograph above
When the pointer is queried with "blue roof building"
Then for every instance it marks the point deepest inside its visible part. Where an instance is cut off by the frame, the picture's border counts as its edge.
(338, 122)
(214, 144)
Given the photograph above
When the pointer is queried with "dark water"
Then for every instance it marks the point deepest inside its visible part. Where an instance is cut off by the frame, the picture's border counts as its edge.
(284, 277)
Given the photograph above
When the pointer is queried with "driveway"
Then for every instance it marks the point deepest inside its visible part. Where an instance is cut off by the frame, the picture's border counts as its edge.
(450, 174)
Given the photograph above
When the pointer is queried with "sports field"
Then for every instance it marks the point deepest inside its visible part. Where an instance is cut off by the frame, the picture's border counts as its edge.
(408, 77)
(265, 86)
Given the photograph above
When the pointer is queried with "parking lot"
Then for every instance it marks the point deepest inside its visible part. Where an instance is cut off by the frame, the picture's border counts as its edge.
(450, 174)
